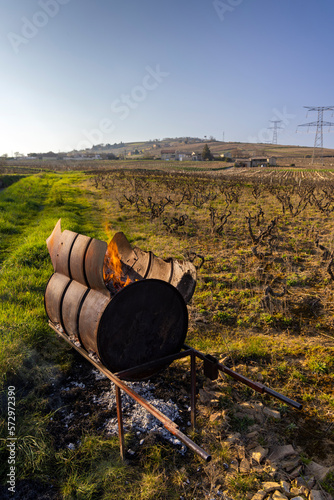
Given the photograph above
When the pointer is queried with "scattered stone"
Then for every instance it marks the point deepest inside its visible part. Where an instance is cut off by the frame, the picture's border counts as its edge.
(316, 495)
(240, 450)
(318, 471)
(279, 452)
(272, 470)
(285, 486)
(296, 491)
(295, 473)
(259, 453)
(305, 491)
(289, 465)
(252, 444)
(277, 495)
(257, 468)
(268, 487)
(297, 498)
(244, 465)
(307, 481)
(232, 438)
(271, 413)
(281, 476)
(260, 495)
(255, 410)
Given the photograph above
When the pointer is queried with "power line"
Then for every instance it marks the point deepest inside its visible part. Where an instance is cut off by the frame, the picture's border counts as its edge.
(320, 123)
(275, 127)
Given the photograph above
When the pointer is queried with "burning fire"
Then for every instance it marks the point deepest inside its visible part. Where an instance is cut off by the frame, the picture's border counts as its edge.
(112, 268)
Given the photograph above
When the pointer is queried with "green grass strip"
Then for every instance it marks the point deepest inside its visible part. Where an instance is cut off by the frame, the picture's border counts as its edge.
(29, 210)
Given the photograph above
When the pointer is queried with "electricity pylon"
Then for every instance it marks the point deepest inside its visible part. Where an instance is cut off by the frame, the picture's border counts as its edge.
(320, 123)
(275, 127)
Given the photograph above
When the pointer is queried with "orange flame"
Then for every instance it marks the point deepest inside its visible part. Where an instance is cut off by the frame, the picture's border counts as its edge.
(112, 267)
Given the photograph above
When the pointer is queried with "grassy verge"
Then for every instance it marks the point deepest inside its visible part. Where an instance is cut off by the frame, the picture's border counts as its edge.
(28, 211)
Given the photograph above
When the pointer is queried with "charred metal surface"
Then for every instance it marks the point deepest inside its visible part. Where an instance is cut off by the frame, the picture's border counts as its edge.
(211, 367)
(146, 265)
(145, 321)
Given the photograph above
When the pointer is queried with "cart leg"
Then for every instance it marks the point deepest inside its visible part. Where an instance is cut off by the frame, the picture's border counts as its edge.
(120, 421)
(193, 390)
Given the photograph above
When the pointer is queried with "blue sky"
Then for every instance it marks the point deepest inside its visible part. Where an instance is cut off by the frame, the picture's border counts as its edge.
(82, 72)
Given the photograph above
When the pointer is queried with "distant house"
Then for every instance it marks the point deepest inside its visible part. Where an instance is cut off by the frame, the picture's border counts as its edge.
(183, 156)
(243, 162)
(226, 155)
(168, 154)
(172, 154)
(255, 162)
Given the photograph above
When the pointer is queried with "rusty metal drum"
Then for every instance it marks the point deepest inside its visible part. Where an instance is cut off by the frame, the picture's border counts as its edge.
(53, 296)
(127, 327)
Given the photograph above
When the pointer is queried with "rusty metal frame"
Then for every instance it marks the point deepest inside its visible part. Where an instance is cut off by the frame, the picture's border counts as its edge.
(211, 368)
(120, 384)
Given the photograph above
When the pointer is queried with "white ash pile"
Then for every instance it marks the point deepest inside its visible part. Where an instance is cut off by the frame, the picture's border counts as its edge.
(135, 417)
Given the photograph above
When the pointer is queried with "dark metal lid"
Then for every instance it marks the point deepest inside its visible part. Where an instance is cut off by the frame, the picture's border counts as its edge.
(145, 321)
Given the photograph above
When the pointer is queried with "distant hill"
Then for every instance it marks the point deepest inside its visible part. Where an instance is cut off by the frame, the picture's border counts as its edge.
(286, 155)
